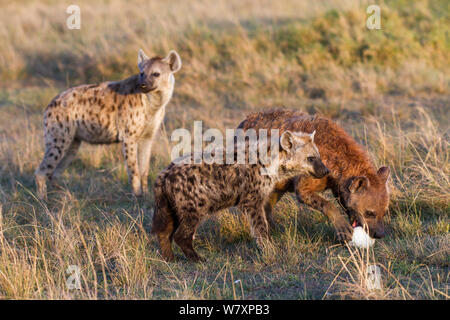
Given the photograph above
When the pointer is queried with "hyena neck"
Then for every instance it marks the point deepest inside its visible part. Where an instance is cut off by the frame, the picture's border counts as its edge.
(154, 100)
(128, 86)
(158, 99)
(273, 171)
(354, 169)
(354, 162)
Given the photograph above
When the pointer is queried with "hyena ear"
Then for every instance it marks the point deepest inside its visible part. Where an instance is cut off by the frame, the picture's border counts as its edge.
(358, 184)
(286, 142)
(141, 56)
(384, 173)
(174, 61)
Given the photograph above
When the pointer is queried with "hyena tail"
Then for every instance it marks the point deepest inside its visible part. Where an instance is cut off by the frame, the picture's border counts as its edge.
(165, 222)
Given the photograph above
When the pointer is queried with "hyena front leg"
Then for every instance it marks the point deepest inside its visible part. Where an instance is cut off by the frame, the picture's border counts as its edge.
(145, 149)
(130, 152)
(259, 225)
(274, 197)
(306, 192)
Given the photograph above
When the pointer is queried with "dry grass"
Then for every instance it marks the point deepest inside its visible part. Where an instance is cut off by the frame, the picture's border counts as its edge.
(388, 88)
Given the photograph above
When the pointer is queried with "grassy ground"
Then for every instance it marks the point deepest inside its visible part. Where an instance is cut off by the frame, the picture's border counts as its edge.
(388, 88)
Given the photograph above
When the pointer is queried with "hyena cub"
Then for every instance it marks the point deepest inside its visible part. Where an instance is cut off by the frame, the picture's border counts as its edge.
(185, 193)
(128, 111)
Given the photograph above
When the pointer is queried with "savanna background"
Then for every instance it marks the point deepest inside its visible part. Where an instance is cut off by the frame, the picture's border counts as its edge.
(388, 88)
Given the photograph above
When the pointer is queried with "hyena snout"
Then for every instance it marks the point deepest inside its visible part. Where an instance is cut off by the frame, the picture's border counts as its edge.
(146, 85)
(377, 231)
(319, 170)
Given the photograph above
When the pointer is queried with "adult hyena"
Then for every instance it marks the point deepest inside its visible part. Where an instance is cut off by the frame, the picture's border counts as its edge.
(128, 111)
(361, 189)
(185, 193)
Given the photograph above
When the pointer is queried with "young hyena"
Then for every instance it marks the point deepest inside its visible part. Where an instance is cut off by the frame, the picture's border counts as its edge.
(185, 193)
(128, 111)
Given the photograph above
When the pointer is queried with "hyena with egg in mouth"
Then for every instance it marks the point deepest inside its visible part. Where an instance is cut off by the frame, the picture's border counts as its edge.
(128, 111)
(186, 193)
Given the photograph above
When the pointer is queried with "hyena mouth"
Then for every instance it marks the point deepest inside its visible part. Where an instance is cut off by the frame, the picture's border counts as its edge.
(146, 89)
(356, 223)
(320, 174)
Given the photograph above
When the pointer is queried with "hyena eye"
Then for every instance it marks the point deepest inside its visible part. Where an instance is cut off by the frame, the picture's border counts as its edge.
(155, 74)
(311, 159)
(370, 214)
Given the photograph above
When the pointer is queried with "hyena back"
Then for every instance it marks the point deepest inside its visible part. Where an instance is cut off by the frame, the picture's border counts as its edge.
(128, 111)
(185, 193)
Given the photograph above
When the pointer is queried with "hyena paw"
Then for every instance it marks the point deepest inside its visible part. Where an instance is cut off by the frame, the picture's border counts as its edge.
(137, 191)
(194, 257)
(263, 242)
(344, 230)
(41, 186)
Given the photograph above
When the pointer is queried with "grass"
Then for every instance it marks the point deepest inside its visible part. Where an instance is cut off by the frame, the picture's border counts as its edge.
(388, 88)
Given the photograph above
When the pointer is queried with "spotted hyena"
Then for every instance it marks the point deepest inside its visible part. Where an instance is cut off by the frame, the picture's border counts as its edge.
(362, 190)
(187, 193)
(128, 111)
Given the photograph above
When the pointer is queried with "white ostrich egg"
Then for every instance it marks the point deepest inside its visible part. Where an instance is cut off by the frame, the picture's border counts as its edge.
(361, 239)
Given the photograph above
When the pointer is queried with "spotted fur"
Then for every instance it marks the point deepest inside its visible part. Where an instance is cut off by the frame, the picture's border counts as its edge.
(362, 190)
(128, 111)
(186, 193)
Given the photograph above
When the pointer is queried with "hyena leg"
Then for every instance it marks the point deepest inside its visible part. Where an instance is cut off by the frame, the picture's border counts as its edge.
(165, 221)
(268, 207)
(165, 238)
(259, 225)
(145, 149)
(67, 159)
(130, 151)
(55, 150)
(306, 191)
(184, 235)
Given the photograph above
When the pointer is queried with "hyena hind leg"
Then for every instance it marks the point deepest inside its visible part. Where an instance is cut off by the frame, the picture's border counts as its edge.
(54, 154)
(165, 238)
(67, 159)
(184, 235)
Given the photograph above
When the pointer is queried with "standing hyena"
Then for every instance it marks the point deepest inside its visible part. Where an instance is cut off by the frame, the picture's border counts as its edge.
(128, 111)
(185, 193)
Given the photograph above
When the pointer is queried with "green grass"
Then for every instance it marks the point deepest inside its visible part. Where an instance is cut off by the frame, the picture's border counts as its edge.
(388, 88)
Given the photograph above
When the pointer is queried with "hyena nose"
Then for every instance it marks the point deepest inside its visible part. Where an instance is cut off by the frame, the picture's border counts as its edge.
(379, 234)
(320, 170)
(323, 170)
